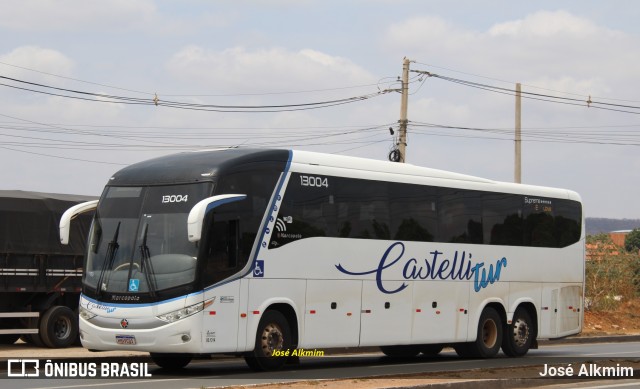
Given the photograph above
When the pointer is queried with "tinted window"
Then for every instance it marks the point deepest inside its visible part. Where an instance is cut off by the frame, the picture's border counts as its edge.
(502, 219)
(232, 228)
(551, 222)
(460, 216)
(366, 209)
(413, 212)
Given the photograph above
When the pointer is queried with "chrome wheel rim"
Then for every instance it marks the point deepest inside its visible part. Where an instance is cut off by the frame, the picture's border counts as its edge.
(271, 339)
(520, 332)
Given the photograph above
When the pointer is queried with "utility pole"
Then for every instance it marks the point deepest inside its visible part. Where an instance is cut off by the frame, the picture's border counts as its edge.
(402, 137)
(518, 137)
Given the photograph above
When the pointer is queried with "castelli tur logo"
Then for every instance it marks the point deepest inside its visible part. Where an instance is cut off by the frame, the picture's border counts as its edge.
(124, 323)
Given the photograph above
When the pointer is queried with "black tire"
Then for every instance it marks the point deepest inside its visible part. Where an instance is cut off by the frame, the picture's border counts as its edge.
(489, 337)
(404, 351)
(171, 362)
(273, 334)
(36, 339)
(431, 350)
(33, 339)
(519, 335)
(59, 327)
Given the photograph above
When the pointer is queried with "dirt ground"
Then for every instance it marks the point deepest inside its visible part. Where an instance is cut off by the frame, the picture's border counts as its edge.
(623, 321)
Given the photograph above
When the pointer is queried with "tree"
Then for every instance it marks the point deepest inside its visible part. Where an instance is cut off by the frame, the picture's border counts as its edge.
(632, 241)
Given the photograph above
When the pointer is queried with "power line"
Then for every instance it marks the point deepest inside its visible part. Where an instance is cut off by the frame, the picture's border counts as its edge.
(377, 84)
(589, 103)
(104, 98)
(527, 85)
(60, 157)
(603, 138)
(74, 79)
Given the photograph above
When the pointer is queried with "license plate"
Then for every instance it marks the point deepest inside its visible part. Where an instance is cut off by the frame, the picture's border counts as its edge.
(125, 339)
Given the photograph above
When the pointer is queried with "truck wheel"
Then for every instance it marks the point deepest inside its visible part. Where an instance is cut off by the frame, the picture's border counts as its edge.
(519, 335)
(59, 327)
(171, 361)
(273, 335)
(33, 339)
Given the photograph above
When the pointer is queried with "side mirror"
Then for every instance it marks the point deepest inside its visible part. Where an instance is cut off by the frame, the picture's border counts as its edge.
(69, 214)
(198, 212)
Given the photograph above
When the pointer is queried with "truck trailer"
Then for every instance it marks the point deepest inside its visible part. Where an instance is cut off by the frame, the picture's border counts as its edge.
(40, 279)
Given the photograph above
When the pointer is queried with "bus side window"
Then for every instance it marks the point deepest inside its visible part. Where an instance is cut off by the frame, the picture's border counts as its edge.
(221, 254)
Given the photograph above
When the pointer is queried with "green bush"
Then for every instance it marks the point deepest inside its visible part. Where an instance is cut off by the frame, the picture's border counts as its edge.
(612, 277)
(632, 241)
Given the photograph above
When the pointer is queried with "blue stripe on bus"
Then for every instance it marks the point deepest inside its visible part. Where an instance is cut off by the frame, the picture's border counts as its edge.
(273, 203)
(116, 305)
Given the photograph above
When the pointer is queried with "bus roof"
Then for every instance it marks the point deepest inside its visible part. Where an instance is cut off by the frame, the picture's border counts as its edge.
(202, 166)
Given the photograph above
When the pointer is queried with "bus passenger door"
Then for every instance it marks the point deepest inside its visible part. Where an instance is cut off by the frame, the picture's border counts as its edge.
(385, 317)
(549, 314)
(220, 326)
(332, 314)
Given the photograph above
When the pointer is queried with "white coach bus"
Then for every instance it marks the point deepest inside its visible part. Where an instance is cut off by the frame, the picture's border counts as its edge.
(249, 252)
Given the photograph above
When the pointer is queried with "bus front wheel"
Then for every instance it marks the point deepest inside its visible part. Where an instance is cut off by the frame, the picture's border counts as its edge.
(489, 337)
(273, 335)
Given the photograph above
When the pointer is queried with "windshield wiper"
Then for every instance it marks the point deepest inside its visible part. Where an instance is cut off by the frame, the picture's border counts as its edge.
(112, 249)
(146, 266)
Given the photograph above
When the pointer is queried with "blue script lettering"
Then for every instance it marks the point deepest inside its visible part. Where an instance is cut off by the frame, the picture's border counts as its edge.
(434, 267)
(383, 265)
(487, 277)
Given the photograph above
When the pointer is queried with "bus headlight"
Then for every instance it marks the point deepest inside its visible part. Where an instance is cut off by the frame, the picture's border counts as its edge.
(86, 314)
(181, 313)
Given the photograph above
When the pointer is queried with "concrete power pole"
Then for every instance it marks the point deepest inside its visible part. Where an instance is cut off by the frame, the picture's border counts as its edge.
(518, 137)
(402, 137)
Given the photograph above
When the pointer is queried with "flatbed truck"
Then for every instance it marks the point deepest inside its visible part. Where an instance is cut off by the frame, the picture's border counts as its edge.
(40, 279)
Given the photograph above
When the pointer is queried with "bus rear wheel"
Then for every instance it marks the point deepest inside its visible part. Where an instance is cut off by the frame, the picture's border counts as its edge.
(171, 361)
(489, 337)
(273, 335)
(519, 335)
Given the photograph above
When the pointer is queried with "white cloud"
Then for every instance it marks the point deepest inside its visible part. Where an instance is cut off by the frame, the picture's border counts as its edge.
(34, 57)
(238, 70)
(555, 43)
(545, 24)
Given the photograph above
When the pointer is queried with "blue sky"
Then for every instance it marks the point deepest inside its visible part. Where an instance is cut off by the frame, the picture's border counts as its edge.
(288, 52)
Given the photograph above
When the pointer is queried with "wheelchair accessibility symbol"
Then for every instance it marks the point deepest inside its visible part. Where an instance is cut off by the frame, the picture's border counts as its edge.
(134, 285)
(258, 271)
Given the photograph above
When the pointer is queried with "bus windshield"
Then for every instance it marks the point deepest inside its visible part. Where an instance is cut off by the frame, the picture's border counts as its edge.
(138, 241)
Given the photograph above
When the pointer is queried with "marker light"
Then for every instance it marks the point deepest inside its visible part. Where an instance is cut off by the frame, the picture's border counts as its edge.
(182, 313)
(86, 314)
